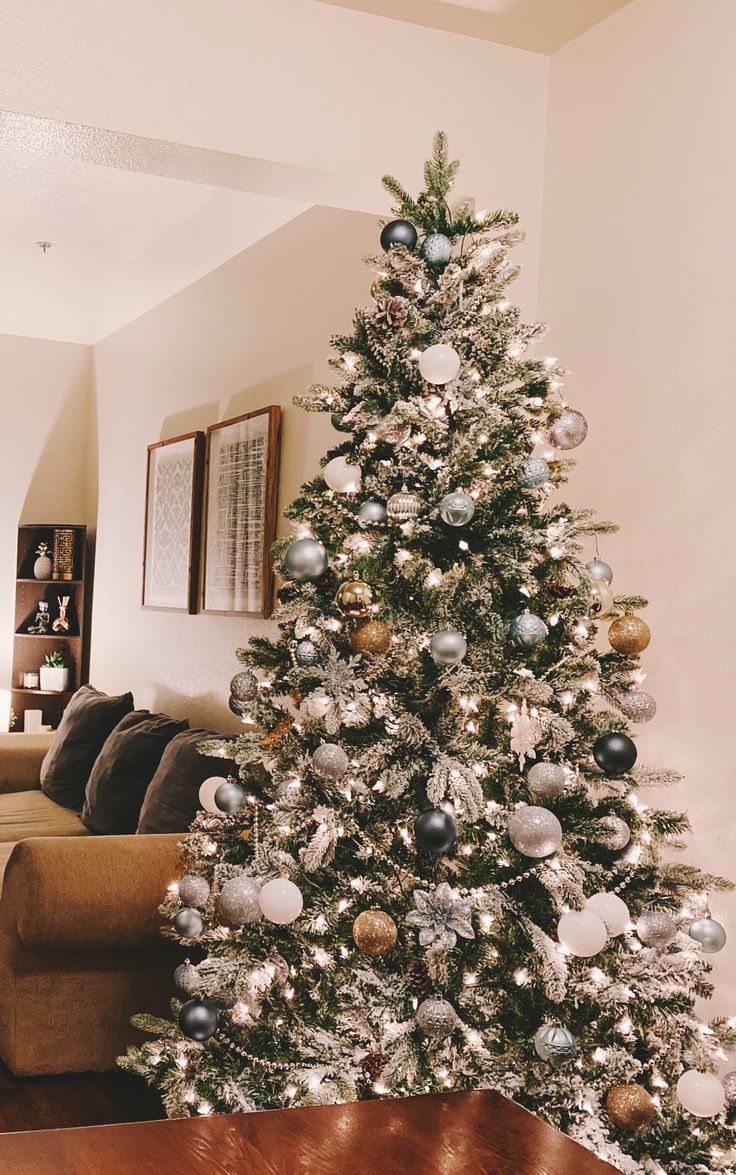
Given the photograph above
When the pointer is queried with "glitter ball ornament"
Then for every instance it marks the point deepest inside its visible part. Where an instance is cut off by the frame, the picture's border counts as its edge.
(398, 232)
(701, 1093)
(342, 477)
(371, 638)
(188, 923)
(534, 831)
(355, 598)
(554, 1044)
(613, 833)
(207, 793)
(629, 635)
(709, 933)
(569, 430)
(612, 910)
(439, 364)
(533, 473)
(546, 780)
(329, 761)
(186, 978)
(527, 631)
(237, 901)
(305, 559)
(448, 647)
(729, 1088)
(656, 929)
(457, 509)
(630, 1107)
(306, 654)
(244, 686)
(274, 738)
(597, 569)
(582, 933)
(615, 753)
(436, 250)
(374, 932)
(638, 705)
(194, 890)
(198, 1020)
(372, 514)
(230, 797)
(402, 507)
(436, 1018)
(281, 901)
(601, 599)
(435, 830)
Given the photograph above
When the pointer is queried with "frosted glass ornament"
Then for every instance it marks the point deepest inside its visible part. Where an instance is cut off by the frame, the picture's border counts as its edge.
(207, 793)
(638, 705)
(457, 508)
(281, 901)
(533, 473)
(701, 1093)
(612, 911)
(656, 928)
(582, 933)
(342, 477)
(569, 430)
(535, 832)
(439, 364)
(448, 647)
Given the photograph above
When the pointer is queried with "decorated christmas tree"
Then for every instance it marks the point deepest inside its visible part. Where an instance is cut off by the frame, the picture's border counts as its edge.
(439, 867)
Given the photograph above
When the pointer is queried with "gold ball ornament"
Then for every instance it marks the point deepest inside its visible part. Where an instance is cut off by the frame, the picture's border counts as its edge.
(371, 638)
(630, 1107)
(374, 932)
(378, 289)
(355, 598)
(629, 635)
(601, 599)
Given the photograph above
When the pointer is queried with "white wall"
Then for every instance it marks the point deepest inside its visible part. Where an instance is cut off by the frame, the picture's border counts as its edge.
(637, 279)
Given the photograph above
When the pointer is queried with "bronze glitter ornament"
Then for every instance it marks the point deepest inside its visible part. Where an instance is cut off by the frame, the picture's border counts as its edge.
(629, 635)
(273, 740)
(630, 1107)
(374, 932)
(355, 598)
(372, 638)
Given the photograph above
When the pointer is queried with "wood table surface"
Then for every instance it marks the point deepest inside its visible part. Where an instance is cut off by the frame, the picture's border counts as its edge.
(478, 1133)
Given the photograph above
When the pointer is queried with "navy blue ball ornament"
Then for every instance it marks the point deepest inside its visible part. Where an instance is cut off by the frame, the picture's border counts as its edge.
(305, 559)
(398, 232)
(198, 1020)
(435, 830)
(615, 753)
(436, 250)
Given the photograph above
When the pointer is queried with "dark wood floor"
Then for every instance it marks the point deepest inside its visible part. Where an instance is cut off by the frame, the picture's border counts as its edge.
(85, 1099)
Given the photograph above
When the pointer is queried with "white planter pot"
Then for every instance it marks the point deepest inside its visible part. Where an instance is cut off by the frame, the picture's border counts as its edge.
(54, 679)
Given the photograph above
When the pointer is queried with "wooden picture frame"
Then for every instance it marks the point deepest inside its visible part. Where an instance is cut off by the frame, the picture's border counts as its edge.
(172, 523)
(241, 493)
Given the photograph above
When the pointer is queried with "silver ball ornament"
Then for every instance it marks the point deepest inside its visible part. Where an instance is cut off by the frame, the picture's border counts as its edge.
(194, 890)
(330, 761)
(244, 686)
(305, 559)
(554, 1044)
(237, 901)
(436, 1018)
(306, 654)
(186, 978)
(729, 1088)
(709, 933)
(597, 569)
(436, 249)
(534, 831)
(448, 647)
(546, 780)
(638, 706)
(613, 833)
(533, 473)
(402, 507)
(527, 631)
(457, 509)
(569, 430)
(372, 514)
(230, 797)
(601, 599)
(655, 928)
(188, 923)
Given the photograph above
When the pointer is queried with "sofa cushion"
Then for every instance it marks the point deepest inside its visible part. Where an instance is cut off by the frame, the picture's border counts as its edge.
(31, 813)
(172, 799)
(21, 756)
(123, 770)
(86, 723)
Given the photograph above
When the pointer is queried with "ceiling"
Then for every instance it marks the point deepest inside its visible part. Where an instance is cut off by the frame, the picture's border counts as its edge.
(543, 26)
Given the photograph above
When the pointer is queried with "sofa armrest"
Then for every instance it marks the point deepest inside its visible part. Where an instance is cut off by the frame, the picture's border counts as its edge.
(21, 756)
(89, 893)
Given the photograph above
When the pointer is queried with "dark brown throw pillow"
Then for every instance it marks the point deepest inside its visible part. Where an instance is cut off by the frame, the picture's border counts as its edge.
(86, 724)
(125, 766)
(172, 799)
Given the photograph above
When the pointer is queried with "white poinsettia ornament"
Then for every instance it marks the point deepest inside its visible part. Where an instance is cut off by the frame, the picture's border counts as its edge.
(440, 916)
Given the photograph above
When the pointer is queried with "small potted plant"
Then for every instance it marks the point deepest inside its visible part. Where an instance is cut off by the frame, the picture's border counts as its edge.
(54, 672)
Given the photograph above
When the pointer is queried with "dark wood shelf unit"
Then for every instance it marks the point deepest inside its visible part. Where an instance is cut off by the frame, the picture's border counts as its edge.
(27, 656)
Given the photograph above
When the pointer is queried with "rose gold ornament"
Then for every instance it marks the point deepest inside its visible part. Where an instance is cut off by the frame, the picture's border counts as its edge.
(374, 932)
(630, 1107)
(355, 598)
(629, 635)
(372, 638)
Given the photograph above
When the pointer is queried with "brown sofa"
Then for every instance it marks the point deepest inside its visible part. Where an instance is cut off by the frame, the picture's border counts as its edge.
(80, 943)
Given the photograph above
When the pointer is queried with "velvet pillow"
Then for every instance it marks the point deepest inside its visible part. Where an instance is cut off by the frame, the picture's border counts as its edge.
(172, 799)
(86, 723)
(125, 766)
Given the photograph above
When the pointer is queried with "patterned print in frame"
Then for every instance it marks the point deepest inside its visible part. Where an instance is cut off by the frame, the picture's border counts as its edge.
(173, 522)
(240, 513)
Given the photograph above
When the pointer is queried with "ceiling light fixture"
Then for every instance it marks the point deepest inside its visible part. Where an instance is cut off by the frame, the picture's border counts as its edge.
(44, 246)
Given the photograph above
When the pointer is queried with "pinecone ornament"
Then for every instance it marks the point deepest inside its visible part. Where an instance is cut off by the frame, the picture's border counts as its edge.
(418, 977)
(373, 1065)
(391, 312)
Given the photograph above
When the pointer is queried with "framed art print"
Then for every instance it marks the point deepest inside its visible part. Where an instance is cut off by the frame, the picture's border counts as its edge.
(240, 513)
(173, 522)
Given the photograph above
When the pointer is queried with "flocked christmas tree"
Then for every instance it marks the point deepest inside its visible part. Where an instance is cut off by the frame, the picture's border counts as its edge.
(436, 871)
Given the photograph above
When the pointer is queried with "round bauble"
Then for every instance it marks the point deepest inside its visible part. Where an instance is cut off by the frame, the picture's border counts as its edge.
(709, 933)
(435, 830)
(614, 752)
(534, 831)
(305, 559)
(656, 929)
(701, 1093)
(629, 635)
(601, 599)
(355, 598)
(186, 978)
(546, 780)
(569, 430)
(237, 902)
(342, 477)
(554, 1044)
(613, 833)
(436, 1018)
(597, 569)
(457, 508)
(729, 1088)
(439, 364)
(374, 932)
(448, 647)
(244, 686)
(229, 797)
(527, 631)
(402, 507)
(194, 891)
(582, 933)
(372, 638)
(638, 706)
(306, 654)
(198, 1020)
(393, 432)
(533, 473)
(630, 1107)
(281, 901)
(372, 514)
(188, 923)
(207, 793)
(436, 250)
(237, 707)
(337, 420)
(612, 910)
(398, 232)
(330, 761)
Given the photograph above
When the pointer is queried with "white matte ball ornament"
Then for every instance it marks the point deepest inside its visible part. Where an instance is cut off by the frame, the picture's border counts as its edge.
(612, 910)
(439, 364)
(342, 477)
(582, 933)
(448, 647)
(546, 780)
(207, 793)
(281, 901)
(701, 1093)
(535, 832)
(330, 761)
